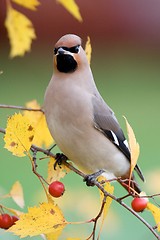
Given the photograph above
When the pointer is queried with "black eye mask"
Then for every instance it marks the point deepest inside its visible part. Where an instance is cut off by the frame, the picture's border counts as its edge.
(74, 49)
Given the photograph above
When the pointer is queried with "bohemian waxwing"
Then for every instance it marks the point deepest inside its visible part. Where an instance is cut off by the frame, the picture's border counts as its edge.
(81, 123)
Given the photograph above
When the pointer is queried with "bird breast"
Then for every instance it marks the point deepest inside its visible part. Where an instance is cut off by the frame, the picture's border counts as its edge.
(69, 114)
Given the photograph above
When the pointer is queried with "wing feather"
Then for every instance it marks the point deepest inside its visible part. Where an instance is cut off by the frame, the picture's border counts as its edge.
(106, 122)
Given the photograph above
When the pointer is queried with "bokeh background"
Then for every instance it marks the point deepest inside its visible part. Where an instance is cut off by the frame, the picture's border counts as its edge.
(125, 37)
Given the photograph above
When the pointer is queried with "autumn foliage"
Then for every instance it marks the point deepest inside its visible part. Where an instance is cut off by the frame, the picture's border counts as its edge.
(20, 29)
(23, 137)
(47, 218)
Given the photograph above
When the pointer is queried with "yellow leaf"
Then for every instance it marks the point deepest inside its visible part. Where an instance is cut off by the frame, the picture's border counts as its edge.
(16, 193)
(45, 219)
(20, 32)
(110, 189)
(88, 49)
(156, 214)
(31, 4)
(42, 135)
(72, 8)
(57, 174)
(133, 145)
(19, 135)
(34, 116)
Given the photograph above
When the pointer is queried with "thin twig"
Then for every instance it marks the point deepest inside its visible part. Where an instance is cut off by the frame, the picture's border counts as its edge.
(2, 130)
(21, 108)
(150, 196)
(128, 208)
(95, 220)
(96, 183)
(34, 167)
(99, 215)
(71, 167)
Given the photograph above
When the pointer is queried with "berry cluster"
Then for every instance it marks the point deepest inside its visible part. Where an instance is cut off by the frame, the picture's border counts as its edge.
(6, 221)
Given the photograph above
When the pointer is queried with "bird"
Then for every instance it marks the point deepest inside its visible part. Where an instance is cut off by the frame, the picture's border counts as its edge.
(83, 126)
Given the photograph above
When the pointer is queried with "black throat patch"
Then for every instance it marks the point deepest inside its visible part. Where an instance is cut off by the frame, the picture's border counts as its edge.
(66, 63)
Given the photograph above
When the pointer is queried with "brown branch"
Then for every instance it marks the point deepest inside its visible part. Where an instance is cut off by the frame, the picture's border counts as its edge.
(106, 194)
(96, 183)
(150, 196)
(34, 168)
(129, 209)
(95, 220)
(21, 108)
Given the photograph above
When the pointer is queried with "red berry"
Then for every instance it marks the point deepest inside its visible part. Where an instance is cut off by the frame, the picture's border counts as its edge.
(14, 219)
(5, 221)
(56, 189)
(139, 204)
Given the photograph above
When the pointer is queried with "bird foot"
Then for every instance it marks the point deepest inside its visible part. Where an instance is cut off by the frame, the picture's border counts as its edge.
(90, 178)
(60, 158)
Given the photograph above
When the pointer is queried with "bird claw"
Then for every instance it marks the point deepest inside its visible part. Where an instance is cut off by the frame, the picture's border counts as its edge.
(90, 178)
(60, 157)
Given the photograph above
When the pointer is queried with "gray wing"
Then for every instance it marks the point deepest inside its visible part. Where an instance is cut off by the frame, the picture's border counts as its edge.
(106, 122)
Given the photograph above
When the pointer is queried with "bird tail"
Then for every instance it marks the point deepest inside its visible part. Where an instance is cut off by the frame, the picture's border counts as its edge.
(139, 172)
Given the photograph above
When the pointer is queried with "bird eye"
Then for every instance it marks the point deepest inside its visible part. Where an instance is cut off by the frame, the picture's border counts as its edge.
(74, 49)
(55, 51)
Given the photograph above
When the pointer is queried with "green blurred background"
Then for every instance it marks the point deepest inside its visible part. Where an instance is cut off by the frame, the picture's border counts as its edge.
(125, 37)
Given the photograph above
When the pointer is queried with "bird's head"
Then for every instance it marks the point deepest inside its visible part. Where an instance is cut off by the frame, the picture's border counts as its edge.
(68, 54)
